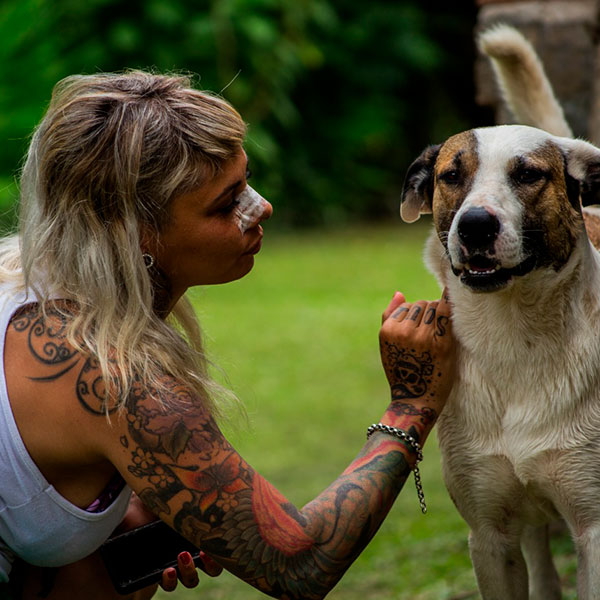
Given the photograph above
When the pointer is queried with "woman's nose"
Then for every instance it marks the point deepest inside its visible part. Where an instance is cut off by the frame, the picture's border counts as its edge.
(267, 210)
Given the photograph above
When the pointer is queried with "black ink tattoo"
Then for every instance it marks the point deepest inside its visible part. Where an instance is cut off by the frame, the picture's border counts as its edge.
(441, 324)
(48, 345)
(46, 338)
(415, 312)
(410, 372)
(426, 414)
(429, 316)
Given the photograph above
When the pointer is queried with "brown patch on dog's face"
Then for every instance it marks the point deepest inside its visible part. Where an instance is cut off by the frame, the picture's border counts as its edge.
(455, 169)
(552, 220)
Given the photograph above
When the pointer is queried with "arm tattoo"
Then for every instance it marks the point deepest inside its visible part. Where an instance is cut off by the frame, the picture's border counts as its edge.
(187, 473)
(426, 414)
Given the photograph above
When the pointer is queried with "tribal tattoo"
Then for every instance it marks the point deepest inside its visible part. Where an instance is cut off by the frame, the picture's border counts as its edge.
(186, 472)
(48, 345)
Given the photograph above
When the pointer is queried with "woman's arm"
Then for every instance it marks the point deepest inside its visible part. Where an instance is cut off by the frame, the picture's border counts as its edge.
(186, 472)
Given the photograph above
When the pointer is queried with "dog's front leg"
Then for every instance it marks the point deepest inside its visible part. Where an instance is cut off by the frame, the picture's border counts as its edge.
(499, 564)
(587, 546)
(544, 583)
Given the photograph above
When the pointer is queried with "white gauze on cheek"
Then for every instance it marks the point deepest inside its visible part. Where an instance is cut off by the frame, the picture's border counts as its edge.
(250, 208)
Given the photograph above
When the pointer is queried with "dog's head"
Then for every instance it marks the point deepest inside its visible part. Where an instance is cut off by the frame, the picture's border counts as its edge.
(505, 200)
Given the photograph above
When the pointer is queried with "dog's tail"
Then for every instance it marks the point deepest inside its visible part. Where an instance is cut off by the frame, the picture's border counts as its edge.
(523, 81)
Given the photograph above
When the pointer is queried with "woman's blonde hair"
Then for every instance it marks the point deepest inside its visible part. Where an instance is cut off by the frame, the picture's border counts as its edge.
(107, 159)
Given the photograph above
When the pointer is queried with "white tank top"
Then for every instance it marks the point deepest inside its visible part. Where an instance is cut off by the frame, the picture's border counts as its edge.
(36, 523)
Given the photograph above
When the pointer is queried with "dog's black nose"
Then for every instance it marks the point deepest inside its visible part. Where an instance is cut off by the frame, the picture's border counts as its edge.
(478, 228)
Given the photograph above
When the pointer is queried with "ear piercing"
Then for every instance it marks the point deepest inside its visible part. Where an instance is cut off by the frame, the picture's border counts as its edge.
(148, 260)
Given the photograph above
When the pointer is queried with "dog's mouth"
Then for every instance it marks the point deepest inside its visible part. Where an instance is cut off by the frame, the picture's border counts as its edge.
(483, 274)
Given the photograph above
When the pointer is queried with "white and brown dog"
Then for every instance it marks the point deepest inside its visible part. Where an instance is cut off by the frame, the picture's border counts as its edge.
(520, 434)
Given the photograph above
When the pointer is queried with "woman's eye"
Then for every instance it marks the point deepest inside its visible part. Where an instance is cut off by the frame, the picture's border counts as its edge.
(230, 206)
(248, 173)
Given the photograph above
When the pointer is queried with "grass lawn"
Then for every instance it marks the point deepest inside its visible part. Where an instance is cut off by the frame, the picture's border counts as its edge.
(297, 340)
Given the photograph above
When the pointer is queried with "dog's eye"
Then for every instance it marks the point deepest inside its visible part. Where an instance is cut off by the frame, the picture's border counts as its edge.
(451, 177)
(528, 176)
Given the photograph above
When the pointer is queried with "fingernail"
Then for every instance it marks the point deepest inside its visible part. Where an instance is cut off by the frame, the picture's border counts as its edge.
(171, 573)
(186, 558)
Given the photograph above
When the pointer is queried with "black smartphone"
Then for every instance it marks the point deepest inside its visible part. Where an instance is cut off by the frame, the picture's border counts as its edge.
(136, 559)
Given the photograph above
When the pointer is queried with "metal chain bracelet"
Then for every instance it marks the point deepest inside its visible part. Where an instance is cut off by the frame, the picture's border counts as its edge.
(410, 440)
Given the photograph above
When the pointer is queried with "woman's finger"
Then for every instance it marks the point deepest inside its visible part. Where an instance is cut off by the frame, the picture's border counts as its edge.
(187, 570)
(169, 579)
(445, 308)
(416, 312)
(430, 313)
(395, 302)
(401, 312)
(211, 567)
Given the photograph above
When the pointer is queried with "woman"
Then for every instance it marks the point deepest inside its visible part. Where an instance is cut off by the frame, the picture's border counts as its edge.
(134, 190)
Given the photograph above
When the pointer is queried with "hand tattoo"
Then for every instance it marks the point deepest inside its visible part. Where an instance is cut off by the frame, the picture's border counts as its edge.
(441, 324)
(410, 372)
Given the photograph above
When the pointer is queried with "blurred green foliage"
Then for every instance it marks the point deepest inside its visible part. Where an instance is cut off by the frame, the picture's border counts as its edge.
(340, 95)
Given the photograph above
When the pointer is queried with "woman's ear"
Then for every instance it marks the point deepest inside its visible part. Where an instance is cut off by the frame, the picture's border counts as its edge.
(417, 195)
(148, 239)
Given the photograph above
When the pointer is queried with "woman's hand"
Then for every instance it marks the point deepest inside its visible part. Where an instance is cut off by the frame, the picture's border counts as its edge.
(188, 575)
(418, 356)
(138, 515)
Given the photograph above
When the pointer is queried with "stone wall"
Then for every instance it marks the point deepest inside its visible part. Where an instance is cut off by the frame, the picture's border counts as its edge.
(565, 35)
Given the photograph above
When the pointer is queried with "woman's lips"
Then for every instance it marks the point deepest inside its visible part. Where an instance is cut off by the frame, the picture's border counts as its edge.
(255, 248)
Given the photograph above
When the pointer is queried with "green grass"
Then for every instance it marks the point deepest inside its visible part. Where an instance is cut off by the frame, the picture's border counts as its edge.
(297, 339)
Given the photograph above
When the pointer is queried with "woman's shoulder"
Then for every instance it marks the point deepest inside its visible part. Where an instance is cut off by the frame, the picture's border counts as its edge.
(44, 332)
(39, 354)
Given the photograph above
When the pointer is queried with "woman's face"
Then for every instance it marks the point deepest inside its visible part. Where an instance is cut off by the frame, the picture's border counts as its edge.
(204, 241)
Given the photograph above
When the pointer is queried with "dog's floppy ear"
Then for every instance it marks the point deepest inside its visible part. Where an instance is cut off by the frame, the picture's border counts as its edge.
(583, 163)
(417, 194)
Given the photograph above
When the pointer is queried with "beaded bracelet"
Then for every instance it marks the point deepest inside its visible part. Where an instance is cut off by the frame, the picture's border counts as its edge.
(410, 440)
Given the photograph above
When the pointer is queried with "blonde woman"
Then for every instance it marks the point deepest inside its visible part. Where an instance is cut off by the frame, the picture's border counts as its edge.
(135, 189)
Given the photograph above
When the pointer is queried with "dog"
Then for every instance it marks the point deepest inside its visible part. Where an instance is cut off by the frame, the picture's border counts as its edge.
(520, 433)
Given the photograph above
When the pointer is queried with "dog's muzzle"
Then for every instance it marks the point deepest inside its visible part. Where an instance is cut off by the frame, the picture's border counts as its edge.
(480, 269)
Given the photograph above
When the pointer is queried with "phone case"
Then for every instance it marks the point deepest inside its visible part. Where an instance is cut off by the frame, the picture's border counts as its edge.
(136, 559)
